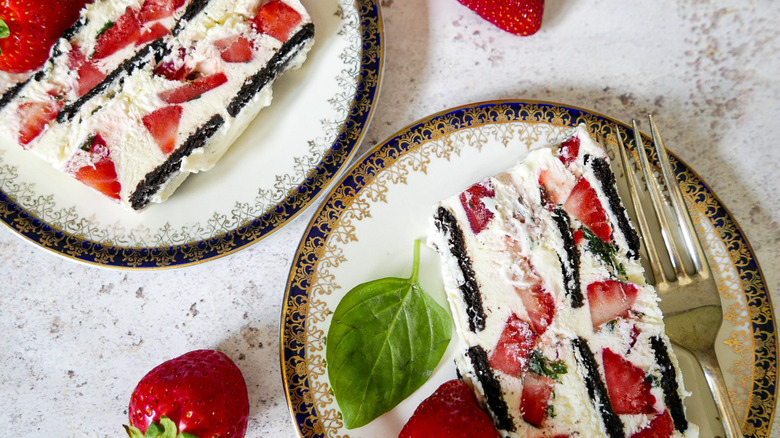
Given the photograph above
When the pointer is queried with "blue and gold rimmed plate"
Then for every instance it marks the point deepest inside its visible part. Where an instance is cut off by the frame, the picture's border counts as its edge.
(366, 226)
(287, 157)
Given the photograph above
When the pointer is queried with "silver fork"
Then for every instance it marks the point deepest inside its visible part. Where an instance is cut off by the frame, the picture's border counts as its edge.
(690, 299)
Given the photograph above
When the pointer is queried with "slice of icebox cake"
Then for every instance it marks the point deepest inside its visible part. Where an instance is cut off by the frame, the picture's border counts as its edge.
(562, 334)
(138, 94)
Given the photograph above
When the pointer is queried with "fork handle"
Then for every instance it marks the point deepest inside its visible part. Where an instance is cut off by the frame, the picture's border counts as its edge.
(711, 368)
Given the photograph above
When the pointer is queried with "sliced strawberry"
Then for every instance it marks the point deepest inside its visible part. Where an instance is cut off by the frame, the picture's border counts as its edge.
(194, 89)
(235, 49)
(584, 204)
(610, 299)
(158, 9)
(124, 32)
(628, 389)
(535, 401)
(516, 343)
(277, 19)
(520, 17)
(101, 175)
(569, 150)
(174, 69)
(163, 124)
(539, 303)
(155, 32)
(662, 426)
(555, 187)
(88, 75)
(476, 211)
(540, 306)
(34, 117)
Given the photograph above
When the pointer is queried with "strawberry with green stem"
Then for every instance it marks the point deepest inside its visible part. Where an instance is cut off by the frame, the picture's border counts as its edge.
(199, 394)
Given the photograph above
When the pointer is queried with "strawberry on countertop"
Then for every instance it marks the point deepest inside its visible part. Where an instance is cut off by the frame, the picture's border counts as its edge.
(201, 393)
(451, 411)
(520, 17)
(29, 28)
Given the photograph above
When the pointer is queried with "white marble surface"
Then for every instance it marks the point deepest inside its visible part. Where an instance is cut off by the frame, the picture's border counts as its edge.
(76, 338)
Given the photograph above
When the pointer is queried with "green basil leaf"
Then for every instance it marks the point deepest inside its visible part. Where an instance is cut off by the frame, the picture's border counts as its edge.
(386, 338)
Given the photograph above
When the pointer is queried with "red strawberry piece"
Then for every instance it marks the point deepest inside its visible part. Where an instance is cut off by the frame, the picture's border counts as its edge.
(121, 34)
(610, 299)
(579, 236)
(472, 200)
(89, 77)
(662, 426)
(158, 9)
(452, 411)
(203, 392)
(535, 401)
(88, 74)
(555, 187)
(569, 150)
(235, 49)
(33, 26)
(100, 175)
(628, 389)
(174, 69)
(516, 343)
(584, 204)
(194, 89)
(520, 17)
(164, 126)
(540, 306)
(276, 19)
(157, 31)
(34, 117)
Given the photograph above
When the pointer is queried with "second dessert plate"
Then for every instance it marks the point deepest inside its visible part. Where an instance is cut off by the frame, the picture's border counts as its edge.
(286, 158)
(366, 228)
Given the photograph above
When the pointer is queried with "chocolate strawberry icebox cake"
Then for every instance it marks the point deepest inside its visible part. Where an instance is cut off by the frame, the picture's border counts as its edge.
(139, 94)
(561, 334)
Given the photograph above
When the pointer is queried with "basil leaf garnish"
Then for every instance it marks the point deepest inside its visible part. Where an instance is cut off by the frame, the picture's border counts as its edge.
(386, 338)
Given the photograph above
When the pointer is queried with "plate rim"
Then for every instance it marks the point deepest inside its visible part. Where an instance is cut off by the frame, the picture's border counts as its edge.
(758, 297)
(298, 199)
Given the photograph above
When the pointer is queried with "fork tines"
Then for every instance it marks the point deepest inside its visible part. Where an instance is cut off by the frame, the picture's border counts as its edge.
(692, 247)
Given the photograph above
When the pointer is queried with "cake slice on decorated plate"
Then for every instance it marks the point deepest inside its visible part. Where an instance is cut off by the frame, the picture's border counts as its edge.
(562, 335)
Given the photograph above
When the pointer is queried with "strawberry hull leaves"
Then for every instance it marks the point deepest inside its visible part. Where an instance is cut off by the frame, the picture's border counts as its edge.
(386, 338)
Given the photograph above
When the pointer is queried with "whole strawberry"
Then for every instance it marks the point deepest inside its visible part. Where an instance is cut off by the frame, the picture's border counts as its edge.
(199, 394)
(28, 29)
(520, 17)
(451, 411)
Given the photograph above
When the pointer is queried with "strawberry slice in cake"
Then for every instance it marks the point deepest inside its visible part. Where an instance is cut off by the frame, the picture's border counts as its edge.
(165, 85)
(562, 336)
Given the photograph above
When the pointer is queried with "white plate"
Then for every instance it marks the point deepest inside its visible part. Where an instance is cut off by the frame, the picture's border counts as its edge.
(366, 227)
(287, 157)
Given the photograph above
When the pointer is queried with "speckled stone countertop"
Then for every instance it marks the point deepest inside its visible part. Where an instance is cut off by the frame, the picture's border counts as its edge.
(77, 338)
